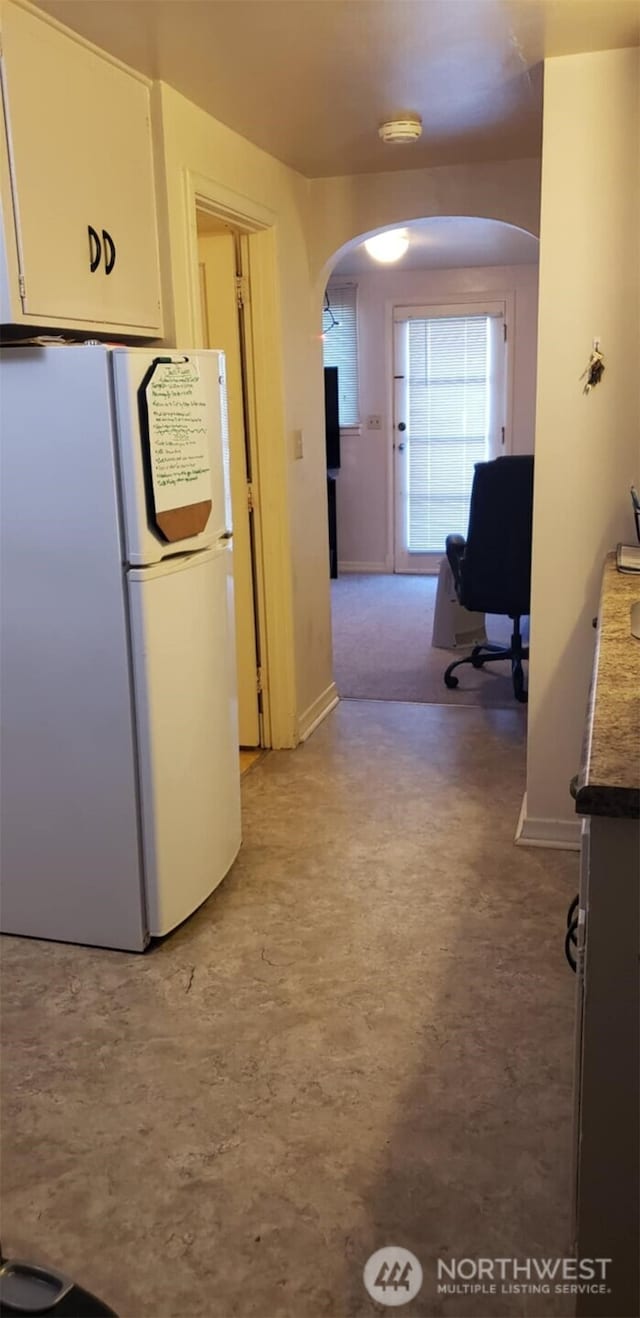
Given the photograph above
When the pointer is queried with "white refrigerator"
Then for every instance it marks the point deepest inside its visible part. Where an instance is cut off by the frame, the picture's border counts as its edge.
(119, 774)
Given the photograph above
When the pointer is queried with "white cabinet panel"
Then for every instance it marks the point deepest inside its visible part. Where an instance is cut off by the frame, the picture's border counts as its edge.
(79, 140)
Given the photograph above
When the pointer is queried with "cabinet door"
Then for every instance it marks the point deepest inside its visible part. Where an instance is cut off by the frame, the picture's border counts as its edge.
(80, 149)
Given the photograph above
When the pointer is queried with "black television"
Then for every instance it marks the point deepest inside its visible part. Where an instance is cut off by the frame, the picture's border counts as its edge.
(331, 417)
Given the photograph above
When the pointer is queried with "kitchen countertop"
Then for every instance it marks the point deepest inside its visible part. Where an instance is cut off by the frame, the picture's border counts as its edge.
(609, 778)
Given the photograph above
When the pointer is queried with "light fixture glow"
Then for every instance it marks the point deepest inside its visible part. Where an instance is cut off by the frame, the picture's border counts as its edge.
(389, 246)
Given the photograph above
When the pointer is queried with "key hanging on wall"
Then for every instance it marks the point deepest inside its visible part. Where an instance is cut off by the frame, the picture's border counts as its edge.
(595, 369)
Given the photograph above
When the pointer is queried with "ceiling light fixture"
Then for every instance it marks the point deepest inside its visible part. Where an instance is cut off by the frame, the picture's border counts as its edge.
(389, 246)
(406, 128)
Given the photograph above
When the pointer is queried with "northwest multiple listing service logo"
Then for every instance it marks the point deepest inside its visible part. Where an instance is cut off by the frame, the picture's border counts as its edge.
(529, 1276)
(394, 1276)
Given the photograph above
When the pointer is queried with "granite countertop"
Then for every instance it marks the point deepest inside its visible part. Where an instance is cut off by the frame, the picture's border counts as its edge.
(609, 778)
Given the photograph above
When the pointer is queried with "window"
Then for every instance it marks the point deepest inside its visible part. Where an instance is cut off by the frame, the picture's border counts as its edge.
(340, 347)
(454, 407)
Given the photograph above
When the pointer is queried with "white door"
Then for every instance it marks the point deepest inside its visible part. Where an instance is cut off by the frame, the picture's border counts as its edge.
(186, 717)
(81, 158)
(220, 319)
(449, 413)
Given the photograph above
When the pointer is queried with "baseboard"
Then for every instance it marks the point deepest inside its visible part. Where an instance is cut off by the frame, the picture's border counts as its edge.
(558, 834)
(364, 567)
(418, 572)
(318, 711)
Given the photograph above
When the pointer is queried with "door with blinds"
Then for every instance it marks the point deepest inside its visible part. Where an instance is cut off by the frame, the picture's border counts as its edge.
(449, 413)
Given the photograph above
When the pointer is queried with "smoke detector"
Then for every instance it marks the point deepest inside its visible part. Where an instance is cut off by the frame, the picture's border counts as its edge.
(407, 128)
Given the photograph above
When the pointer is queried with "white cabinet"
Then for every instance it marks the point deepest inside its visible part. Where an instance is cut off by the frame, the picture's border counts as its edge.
(79, 234)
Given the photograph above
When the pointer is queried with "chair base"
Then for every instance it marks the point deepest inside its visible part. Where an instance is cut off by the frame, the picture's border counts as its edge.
(486, 653)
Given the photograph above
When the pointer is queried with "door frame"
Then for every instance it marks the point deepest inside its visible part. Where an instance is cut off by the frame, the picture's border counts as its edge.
(265, 427)
(508, 299)
(220, 265)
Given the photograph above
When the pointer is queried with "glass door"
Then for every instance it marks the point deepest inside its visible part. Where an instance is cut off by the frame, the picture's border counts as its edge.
(449, 413)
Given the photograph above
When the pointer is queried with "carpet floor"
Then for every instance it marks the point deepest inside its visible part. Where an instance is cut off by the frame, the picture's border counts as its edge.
(363, 1038)
(382, 650)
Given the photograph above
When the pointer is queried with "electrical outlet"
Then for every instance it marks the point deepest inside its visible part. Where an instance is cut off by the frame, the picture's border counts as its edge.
(374, 423)
(298, 444)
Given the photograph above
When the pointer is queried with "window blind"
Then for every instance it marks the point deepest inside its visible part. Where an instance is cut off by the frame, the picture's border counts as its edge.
(449, 365)
(340, 348)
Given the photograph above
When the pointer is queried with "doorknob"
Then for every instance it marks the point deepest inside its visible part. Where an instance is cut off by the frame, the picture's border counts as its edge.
(401, 425)
(401, 448)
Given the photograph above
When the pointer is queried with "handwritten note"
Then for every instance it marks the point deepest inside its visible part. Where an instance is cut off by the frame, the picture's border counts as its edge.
(177, 410)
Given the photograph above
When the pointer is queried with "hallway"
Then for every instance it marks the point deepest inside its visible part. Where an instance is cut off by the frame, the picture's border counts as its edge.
(363, 1038)
(382, 626)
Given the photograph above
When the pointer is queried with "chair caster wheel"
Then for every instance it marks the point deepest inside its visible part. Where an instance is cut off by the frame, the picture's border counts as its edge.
(451, 682)
(476, 662)
(518, 686)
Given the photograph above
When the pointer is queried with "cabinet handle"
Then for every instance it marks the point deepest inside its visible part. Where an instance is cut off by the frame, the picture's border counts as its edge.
(109, 252)
(95, 250)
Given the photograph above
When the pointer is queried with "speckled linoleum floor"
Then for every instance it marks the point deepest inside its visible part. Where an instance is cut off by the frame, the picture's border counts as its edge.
(363, 1038)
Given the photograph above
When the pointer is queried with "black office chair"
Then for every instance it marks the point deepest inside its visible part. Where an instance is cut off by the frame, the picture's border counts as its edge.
(492, 567)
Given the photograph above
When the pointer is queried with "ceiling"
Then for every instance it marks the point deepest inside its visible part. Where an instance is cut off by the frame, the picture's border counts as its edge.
(311, 80)
(444, 243)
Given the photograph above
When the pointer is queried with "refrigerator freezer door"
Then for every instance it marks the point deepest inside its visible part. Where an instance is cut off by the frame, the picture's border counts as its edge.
(186, 712)
(144, 542)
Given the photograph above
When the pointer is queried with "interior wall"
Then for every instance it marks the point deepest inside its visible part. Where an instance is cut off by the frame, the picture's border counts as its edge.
(364, 484)
(587, 447)
(290, 344)
(344, 208)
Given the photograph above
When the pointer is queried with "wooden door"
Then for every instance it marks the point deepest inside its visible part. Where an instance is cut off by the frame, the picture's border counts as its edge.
(221, 324)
